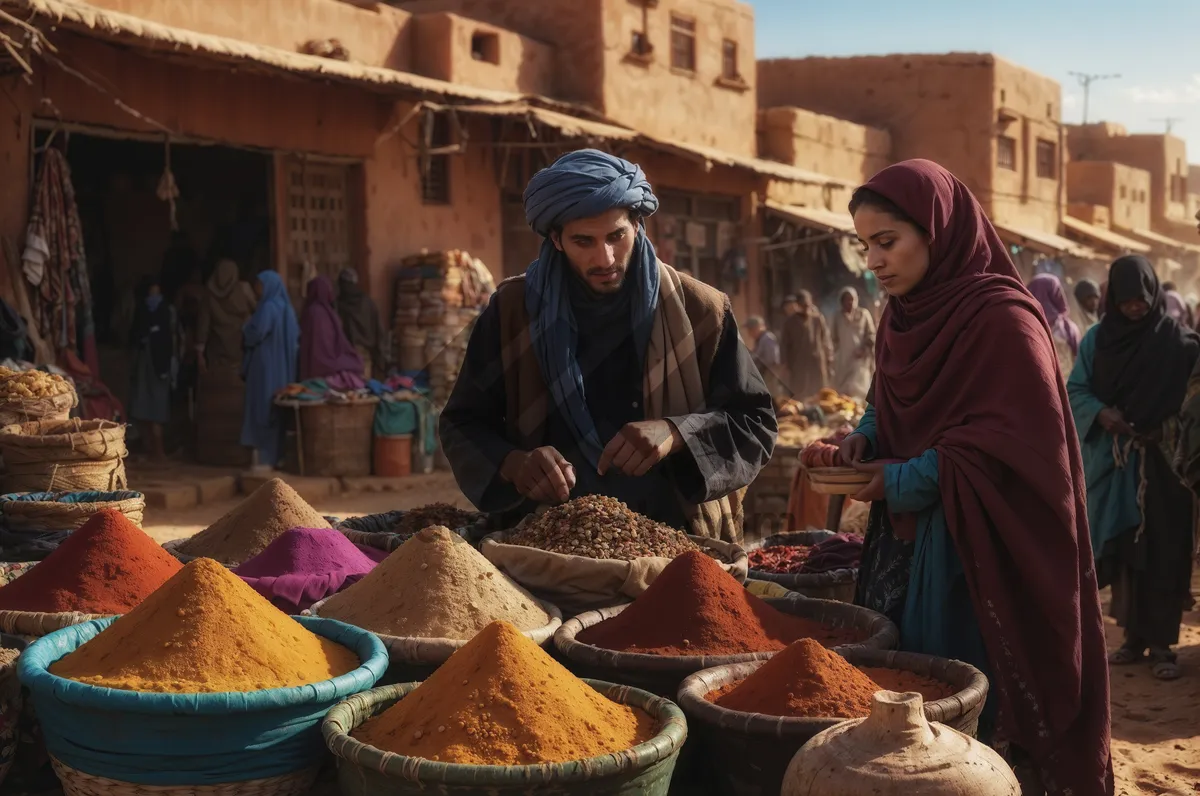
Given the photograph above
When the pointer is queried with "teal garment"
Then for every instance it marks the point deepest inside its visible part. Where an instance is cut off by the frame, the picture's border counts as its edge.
(939, 615)
(1112, 488)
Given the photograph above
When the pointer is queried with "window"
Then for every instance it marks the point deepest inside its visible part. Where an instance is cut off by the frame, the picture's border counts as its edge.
(1006, 152)
(435, 171)
(729, 60)
(486, 47)
(1123, 191)
(1047, 159)
(1178, 188)
(639, 44)
(683, 44)
(1142, 197)
(1049, 110)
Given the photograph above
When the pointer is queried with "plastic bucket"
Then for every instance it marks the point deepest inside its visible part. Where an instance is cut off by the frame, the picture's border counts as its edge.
(393, 455)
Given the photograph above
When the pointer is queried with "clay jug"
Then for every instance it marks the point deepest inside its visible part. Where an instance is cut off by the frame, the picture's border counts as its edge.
(896, 751)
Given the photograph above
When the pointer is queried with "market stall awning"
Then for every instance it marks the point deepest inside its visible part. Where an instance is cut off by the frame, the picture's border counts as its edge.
(814, 217)
(1047, 243)
(1105, 238)
(1162, 241)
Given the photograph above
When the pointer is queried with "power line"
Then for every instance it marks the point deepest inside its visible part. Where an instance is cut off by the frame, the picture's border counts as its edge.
(1086, 81)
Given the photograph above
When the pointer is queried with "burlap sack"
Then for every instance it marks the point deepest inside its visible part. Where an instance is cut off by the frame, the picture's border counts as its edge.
(577, 584)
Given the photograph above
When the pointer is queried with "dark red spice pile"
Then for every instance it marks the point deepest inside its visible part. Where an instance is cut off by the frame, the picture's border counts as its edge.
(782, 560)
(842, 551)
(696, 608)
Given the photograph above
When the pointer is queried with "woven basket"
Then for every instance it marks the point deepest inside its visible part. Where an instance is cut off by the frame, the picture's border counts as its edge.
(662, 674)
(337, 437)
(644, 770)
(35, 624)
(414, 659)
(56, 407)
(64, 455)
(77, 783)
(48, 511)
(837, 584)
(10, 706)
(751, 752)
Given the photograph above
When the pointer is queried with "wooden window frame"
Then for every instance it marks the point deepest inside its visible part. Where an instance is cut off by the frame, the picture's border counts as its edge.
(1044, 148)
(683, 28)
(1006, 142)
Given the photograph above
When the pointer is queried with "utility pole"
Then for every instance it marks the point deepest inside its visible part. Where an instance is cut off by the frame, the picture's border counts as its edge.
(1170, 121)
(1086, 81)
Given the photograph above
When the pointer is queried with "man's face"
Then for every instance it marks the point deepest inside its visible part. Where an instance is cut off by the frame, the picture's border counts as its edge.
(599, 248)
(1091, 303)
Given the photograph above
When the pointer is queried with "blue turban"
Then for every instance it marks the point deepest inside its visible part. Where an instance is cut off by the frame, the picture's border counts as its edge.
(579, 185)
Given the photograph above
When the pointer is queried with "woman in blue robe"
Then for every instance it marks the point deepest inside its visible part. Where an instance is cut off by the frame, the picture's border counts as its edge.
(271, 339)
(1126, 390)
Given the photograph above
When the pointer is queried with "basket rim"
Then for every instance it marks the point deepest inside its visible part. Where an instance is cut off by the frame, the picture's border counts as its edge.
(28, 498)
(833, 577)
(881, 633)
(731, 558)
(540, 635)
(281, 782)
(693, 690)
(667, 741)
(15, 431)
(34, 673)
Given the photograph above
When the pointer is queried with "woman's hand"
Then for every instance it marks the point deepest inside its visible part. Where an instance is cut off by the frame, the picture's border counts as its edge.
(1112, 421)
(852, 449)
(875, 489)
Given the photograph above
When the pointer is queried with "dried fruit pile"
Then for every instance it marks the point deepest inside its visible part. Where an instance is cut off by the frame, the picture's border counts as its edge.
(29, 385)
(780, 560)
(600, 527)
(442, 514)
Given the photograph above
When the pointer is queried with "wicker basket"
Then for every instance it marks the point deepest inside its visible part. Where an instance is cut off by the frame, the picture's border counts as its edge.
(336, 438)
(77, 783)
(751, 751)
(10, 706)
(51, 511)
(662, 674)
(644, 770)
(64, 455)
(414, 659)
(838, 584)
(35, 624)
(56, 407)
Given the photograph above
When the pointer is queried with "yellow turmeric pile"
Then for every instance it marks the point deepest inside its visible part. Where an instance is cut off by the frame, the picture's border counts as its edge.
(501, 700)
(203, 631)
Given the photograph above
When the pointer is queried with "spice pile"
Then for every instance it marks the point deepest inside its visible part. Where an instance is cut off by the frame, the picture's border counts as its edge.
(256, 522)
(108, 566)
(600, 527)
(696, 608)
(841, 551)
(780, 560)
(434, 514)
(808, 681)
(205, 631)
(435, 585)
(30, 385)
(305, 565)
(502, 701)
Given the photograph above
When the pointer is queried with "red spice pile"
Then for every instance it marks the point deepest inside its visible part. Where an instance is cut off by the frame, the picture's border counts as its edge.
(781, 560)
(805, 680)
(108, 566)
(696, 608)
(902, 682)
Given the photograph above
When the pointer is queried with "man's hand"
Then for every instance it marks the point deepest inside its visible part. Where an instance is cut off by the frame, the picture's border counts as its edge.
(639, 446)
(1112, 421)
(542, 475)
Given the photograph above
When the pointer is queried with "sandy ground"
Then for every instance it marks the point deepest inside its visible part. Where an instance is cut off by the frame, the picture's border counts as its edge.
(1156, 726)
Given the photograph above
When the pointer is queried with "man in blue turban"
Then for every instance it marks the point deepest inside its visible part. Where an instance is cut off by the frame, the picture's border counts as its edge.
(603, 371)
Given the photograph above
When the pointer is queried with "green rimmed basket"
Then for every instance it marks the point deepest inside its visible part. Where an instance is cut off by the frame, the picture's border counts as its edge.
(750, 752)
(644, 770)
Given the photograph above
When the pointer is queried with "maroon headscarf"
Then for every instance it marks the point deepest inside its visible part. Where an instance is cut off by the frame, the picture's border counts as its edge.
(966, 366)
(324, 349)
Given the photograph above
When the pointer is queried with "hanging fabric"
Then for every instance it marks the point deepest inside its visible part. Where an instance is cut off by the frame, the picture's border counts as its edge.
(168, 190)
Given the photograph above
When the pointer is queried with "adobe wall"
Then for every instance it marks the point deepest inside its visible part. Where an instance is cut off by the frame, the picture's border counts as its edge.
(1025, 197)
(1122, 189)
(1161, 155)
(697, 107)
(375, 34)
(443, 50)
(824, 144)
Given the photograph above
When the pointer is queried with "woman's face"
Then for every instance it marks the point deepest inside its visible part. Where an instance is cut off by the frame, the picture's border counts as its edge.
(154, 290)
(897, 252)
(848, 302)
(1134, 309)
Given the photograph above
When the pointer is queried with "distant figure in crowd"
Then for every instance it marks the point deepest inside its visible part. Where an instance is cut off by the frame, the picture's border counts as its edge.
(765, 349)
(791, 305)
(1126, 394)
(363, 325)
(228, 303)
(1087, 296)
(1177, 307)
(853, 346)
(603, 371)
(978, 467)
(154, 339)
(272, 340)
(325, 352)
(1048, 290)
(807, 348)
(189, 299)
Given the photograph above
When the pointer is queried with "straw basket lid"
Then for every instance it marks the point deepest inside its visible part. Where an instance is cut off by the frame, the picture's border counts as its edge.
(880, 633)
(970, 693)
(368, 761)
(415, 650)
(837, 480)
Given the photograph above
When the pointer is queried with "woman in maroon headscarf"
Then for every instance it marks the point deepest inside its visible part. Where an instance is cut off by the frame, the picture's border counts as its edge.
(325, 351)
(978, 541)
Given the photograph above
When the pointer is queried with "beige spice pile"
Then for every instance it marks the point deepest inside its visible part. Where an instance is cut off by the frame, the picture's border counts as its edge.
(246, 531)
(600, 527)
(434, 514)
(435, 585)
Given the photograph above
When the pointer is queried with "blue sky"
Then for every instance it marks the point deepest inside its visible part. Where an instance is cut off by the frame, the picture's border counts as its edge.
(1153, 44)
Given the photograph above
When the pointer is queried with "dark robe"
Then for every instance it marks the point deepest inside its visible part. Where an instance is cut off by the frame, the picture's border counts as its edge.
(737, 434)
(807, 350)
